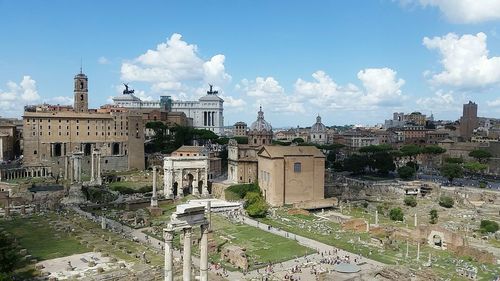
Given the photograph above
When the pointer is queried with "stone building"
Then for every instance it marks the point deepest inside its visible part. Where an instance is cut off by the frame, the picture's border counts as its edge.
(242, 162)
(242, 158)
(7, 140)
(318, 132)
(468, 121)
(205, 113)
(261, 132)
(240, 129)
(51, 135)
(214, 162)
(291, 174)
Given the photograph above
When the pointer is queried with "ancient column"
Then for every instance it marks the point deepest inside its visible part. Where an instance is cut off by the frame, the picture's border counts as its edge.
(181, 184)
(209, 212)
(186, 266)
(92, 173)
(195, 183)
(415, 220)
(418, 251)
(154, 200)
(376, 217)
(407, 249)
(167, 183)
(168, 235)
(205, 180)
(65, 167)
(367, 226)
(103, 223)
(204, 253)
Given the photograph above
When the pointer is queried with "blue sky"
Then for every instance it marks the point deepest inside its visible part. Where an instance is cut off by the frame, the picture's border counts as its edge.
(352, 62)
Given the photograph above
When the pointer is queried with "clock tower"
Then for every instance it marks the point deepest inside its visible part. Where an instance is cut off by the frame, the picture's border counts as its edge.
(81, 91)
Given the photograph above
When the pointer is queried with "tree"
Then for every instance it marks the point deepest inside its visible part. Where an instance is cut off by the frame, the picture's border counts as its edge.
(480, 155)
(433, 216)
(356, 163)
(406, 172)
(255, 205)
(410, 201)
(9, 257)
(475, 167)
(488, 226)
(454, 160)
(431, 152)
(396, 214)
(411, 150)
(298, 140)
(375, 148)
(382, 162)
(446, 201)
(451, 171)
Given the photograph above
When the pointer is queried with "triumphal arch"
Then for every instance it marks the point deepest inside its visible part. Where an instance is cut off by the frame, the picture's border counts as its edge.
(185, 174)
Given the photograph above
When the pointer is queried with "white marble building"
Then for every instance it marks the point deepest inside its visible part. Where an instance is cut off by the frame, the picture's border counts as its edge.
(206, 113)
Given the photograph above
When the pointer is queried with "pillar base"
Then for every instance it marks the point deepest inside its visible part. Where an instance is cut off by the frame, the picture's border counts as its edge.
(155, 211)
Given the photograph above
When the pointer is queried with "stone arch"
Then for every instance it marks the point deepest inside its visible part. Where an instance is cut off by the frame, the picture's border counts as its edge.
(190, 185)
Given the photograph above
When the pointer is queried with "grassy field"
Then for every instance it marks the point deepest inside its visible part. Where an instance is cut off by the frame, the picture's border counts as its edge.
(261, 247)
(42, 241)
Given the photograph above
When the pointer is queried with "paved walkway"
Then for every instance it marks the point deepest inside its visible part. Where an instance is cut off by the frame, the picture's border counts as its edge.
(278, 270)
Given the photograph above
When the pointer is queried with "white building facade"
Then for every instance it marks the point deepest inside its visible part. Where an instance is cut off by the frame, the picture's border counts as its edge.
(206, 113)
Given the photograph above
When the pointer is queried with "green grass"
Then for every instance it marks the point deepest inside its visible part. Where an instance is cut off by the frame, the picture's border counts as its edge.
(260, 245)
(42, 242)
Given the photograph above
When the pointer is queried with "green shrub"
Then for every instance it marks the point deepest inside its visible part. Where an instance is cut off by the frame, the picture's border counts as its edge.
(410, 201)
(433, 216)
(258, 209)
(238, 191)
(396, 214)
(446, 201)
(488, 226)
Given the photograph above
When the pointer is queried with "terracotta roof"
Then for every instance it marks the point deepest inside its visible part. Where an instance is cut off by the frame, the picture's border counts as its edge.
(277, 151)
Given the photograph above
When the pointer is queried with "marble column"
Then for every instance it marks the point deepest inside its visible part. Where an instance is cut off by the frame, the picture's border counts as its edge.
(168, 235)
(186, 266)
(168, 175)
(103, 223)
(418, 251)
(376, 217)
(205, 180)
(195, 183)
(98, 160)
(180, 182)
(154, 200)
(92, 160)
(204, 253)
(415, 220)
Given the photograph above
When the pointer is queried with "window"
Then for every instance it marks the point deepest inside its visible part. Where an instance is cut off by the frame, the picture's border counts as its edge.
(297, 167)
(35, 152)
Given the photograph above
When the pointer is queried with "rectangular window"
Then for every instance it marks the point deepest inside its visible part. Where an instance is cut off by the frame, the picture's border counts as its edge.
(297, 167)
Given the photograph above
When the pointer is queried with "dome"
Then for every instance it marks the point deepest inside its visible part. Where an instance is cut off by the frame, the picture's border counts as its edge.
(318, 127)
(261, 124)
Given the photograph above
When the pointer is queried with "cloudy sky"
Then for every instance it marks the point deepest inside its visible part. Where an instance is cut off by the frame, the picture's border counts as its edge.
(352, 62)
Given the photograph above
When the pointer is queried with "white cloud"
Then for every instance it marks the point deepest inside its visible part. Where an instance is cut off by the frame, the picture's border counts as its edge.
(175, 65)
(381, 88)
(13, 100)
(494, 103)
(466, 11)
(465, 61)
(439, 102)
(61, 100)
(271, 95)
(233, 103)
(103, 60)
(381, 85)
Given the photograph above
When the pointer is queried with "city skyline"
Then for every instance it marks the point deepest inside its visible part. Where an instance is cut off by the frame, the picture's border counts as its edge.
(350, 63)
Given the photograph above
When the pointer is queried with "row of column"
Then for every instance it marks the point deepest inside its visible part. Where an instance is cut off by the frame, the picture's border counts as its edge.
(171, 176)
(21, 173)
(209, 118)
(168, 235)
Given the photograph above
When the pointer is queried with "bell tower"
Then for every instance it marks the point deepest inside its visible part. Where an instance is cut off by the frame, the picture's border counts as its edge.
(81, 91)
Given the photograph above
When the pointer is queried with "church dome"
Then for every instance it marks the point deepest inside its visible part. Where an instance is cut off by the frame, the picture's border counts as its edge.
(261, 124)
(318, 127)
